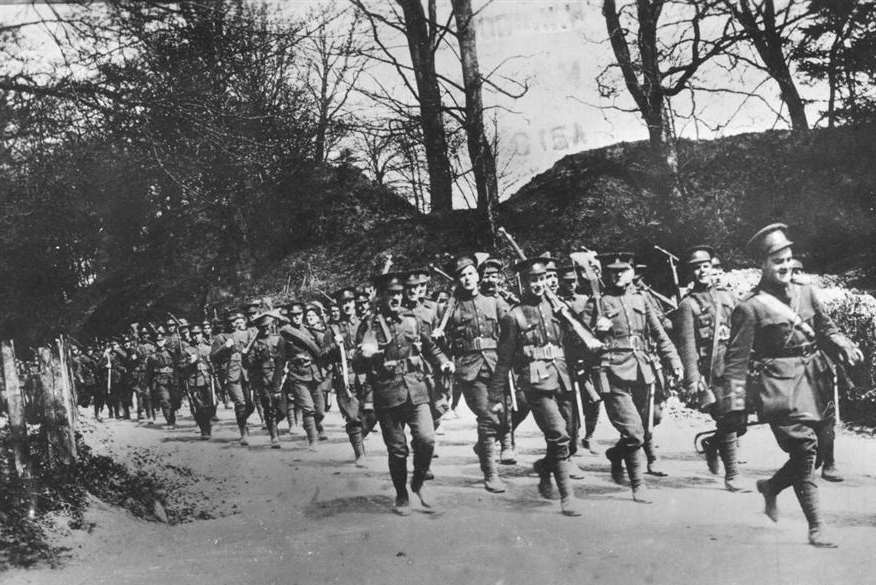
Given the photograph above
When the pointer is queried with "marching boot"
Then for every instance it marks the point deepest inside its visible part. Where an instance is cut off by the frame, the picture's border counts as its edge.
(770, 506)
(507, 455)
(651, 456)
(398, 471)
(487, 455)
(617, 465)
(633, 460)
(727, 449)
(358, 448)
(417, 486)
(807, 495)
(545, 486)
(710, 447)
(309, 424)
(244, 434)
(568, 504)
(825, 450)
(273, 431)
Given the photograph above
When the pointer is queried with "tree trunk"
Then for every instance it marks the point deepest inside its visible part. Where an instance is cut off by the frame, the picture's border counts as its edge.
(56, 428)
(13, 397)
(769, 45)
(431, 111)
(483, 159)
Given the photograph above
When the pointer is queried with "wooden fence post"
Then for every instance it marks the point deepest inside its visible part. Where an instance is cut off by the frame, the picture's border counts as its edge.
(14, 398)
(56, 427)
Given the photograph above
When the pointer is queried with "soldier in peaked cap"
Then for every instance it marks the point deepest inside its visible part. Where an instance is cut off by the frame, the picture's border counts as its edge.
(302, 355)
(626, 323)
(391, 348)
(363, 302)
(531, 344)
(702, 328)
(472, 336)
(228, 351)
(783, 333)
(353, 393)
(198, 373)
(260, 361)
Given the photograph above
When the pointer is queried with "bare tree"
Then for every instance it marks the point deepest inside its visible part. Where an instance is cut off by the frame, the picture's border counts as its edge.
(769, 31)
(480, 151)
(334, 63)
(654, 70)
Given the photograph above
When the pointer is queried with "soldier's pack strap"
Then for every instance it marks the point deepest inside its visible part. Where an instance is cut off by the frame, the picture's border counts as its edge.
(786, 312)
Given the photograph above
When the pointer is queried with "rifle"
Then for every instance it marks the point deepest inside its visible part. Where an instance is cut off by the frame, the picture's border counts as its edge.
(183, 381)
(559, 307)
(673, 261)
(448, 311)
(586, 260)
(440, 272)
(345, 383)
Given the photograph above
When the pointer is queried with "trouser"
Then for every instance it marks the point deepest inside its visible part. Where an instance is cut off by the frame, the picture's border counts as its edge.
(625, 418)
(439, 397)
(306, 397)
(241, 396)
(641, 393)
(799, 439)
(100, 396)
(144, 402)
(272, 408)
(553, 412)
(392, 426)
(826, 440)
(115, 400)
(728, 429)
(204, 408)
(165, 394)
(591, 418)
(359, 422)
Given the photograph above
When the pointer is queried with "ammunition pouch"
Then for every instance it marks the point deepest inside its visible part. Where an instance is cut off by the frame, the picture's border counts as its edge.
(402, 366)
(547, 352)
(474, 345)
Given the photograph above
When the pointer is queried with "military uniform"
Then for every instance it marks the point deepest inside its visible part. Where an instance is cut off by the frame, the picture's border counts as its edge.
(261, 364)
(781, 333)
(628, 328)
(353, 402)
(531, 345)
(702, 329)
(143, 350)
(161, 378)
(199, 374)
(392, 349)
(229, 357)
(118, 374)
(472, 335)
(301, 354)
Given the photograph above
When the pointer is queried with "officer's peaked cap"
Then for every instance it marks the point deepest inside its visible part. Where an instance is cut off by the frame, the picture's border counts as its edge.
(769, 240)
(462, 262)
(616, 260)
(534, 265)
(391, 281)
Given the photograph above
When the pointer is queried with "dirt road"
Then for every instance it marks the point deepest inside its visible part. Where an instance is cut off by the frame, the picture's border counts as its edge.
(296, 517)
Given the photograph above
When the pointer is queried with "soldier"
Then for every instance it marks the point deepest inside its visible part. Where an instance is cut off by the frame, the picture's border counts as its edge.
(827, 431)
(160, 379)
(581, 362)
(261, 364)
(313, 321)
(472, 334)
(145, 348)
(207, 331)
(414, 300)
(531, 344)
(86, 375)
(391, 348)
(228, 351)
(625, 322)
(702, 330)
(199, 380)
(781, 333)
(492, 285)
(300, 355)
(116, 362)
(354, 399)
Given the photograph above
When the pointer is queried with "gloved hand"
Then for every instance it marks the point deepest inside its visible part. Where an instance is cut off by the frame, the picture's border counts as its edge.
(603, 325)
(849, 352)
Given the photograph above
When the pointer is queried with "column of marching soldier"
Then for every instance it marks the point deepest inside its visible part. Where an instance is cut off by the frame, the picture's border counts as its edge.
(584, 331)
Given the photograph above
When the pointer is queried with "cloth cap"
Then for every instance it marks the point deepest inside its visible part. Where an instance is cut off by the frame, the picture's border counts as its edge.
(345, 294)
(415, 277)
(463, 262)
(197, 329)
(769, 240)
(235, 316)
(491, 265)
(700, 254)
